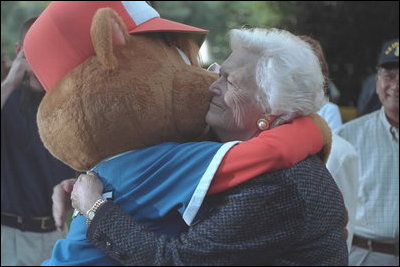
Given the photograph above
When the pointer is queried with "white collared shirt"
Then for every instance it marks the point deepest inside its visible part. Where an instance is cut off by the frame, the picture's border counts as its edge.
(343, 166)
(331, 113)
(377, 144)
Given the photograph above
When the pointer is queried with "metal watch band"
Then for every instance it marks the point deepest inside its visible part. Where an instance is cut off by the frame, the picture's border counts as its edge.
(94, 208)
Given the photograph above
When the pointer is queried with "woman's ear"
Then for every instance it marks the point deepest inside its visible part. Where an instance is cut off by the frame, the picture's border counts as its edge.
(107, 31)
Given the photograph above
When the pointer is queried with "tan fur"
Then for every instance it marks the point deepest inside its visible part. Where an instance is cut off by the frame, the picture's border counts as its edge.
(102, 35)
(103, 107)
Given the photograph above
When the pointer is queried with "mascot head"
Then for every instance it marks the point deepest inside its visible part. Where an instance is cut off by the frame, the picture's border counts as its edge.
(118, 77)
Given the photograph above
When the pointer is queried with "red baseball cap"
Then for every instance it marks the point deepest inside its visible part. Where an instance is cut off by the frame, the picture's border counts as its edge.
(59, 40)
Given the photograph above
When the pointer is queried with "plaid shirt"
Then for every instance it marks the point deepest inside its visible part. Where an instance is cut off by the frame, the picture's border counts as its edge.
(377, 144)
(294, 216)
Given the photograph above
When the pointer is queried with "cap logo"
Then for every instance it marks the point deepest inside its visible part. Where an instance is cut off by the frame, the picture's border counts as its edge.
(391, 47)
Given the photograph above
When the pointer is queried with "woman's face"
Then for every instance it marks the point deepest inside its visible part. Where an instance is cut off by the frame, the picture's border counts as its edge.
(234, 109)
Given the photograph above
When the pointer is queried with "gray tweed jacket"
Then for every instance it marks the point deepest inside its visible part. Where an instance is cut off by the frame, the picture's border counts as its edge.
(294, 216)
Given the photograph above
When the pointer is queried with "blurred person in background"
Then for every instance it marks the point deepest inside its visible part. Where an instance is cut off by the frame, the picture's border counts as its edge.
(28, 171)
(376, 139)
(5, 66)
(330, 111)
(368, 100)
(343, 159)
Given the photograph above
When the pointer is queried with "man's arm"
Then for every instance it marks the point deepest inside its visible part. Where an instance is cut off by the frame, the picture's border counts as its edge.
(15, 76)
(235, 233)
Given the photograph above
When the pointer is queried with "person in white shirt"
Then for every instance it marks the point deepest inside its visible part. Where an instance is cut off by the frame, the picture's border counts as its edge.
(343, 166)
(331, 113)
(343, 159)
(376, 138)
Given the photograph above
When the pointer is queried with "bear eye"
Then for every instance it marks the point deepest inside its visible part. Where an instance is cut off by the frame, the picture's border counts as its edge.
(184, 57)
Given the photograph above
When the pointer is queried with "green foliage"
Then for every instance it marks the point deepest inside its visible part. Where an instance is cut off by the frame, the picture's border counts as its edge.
(13, 14)
(351, 32)
(219, 16)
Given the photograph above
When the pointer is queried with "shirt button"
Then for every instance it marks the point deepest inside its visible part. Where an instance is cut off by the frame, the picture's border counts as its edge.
(108, 245)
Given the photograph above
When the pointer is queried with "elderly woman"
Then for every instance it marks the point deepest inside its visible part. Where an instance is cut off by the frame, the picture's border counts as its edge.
(295, 216)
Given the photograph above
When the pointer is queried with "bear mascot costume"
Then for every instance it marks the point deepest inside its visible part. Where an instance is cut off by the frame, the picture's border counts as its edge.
(125, 95)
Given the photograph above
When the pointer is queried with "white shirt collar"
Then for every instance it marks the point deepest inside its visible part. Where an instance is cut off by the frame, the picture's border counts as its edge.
(393, 131)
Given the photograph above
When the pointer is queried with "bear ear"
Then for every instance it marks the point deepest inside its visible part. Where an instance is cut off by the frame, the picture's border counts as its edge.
(107, 31)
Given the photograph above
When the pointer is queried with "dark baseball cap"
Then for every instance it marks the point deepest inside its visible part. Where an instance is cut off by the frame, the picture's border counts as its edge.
(389, 53)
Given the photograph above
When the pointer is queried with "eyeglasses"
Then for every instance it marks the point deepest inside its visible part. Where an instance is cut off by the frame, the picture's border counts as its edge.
(214, 67)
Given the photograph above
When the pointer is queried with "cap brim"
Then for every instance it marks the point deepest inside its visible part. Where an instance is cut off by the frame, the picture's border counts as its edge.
(388, 62)
(164, 25)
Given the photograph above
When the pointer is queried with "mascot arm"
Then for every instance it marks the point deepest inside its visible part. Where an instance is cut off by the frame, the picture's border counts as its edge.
(275, 149)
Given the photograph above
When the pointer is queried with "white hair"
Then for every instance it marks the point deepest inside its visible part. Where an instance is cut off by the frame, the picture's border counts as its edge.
(288, 72)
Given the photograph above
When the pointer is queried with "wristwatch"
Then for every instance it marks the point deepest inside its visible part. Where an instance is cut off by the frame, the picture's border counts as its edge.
(92, 211)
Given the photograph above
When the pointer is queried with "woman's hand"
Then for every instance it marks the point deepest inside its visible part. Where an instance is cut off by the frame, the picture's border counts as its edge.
(87, 189)
(62, 201)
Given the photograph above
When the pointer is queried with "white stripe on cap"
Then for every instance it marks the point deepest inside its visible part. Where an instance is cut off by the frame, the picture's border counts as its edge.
(140, 11)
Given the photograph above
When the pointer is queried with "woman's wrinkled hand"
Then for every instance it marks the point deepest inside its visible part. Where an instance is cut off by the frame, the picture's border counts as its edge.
(87, 189)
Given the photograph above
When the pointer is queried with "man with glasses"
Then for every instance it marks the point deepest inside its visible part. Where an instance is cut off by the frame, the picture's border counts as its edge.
(376, 138)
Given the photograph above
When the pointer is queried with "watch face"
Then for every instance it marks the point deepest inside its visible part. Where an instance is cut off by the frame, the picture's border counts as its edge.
(91, 215)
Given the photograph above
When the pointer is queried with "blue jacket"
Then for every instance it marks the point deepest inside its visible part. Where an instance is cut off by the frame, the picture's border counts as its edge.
(162, 187)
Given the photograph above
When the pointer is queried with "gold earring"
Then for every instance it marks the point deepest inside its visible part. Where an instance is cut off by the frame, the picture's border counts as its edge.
(263, 124)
